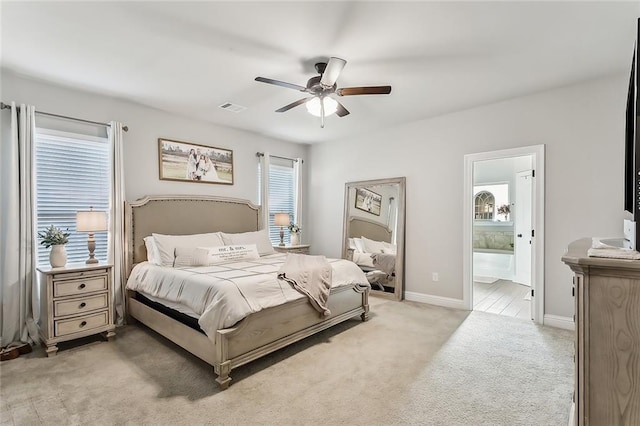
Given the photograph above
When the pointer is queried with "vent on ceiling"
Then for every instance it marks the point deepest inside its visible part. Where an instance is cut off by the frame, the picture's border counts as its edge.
(228, 106)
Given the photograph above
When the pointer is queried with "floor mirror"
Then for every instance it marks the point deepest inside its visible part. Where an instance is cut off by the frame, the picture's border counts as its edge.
(373, 232)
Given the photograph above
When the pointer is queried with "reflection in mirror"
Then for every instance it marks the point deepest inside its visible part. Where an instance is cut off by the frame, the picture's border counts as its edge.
(373, 232)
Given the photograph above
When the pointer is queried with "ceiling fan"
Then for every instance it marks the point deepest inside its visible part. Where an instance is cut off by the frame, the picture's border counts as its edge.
(321, 87)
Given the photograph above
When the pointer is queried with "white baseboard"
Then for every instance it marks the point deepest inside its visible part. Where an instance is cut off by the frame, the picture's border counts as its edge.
(447, 302)
(559, 322)
(572, 415)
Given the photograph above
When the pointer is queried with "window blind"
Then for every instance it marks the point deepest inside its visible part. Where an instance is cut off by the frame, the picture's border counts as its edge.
(281, 195)
(73, 172)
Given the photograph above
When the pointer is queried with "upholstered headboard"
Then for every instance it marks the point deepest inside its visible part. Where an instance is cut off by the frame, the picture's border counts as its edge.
(184, 215)
(361, 227)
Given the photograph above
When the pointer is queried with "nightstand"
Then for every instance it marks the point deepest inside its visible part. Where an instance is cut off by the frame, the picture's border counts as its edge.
(75, 301)
(300, 249)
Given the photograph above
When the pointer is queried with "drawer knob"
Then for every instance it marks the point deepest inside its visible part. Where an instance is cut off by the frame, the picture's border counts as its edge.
(82, 305)
(83, 323)
(81, 286)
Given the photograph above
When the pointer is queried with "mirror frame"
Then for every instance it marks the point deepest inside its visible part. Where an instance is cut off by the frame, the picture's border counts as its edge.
(401, 182)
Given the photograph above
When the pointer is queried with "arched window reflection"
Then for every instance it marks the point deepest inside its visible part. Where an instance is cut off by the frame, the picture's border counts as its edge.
(484, 205)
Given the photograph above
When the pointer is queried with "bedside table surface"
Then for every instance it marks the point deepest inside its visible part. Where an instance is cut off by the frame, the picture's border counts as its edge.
(73, 267)
(299, 246)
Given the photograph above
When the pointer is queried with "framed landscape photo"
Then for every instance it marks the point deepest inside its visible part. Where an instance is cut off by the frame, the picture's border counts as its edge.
(190, 162)
(368, 201)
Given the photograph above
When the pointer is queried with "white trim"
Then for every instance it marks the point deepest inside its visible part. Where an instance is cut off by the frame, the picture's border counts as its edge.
(572, 414)
(65, 136)
(557, 321)
(537, 221)
(446, 302)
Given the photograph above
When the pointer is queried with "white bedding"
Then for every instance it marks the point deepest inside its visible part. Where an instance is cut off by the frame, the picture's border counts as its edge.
(363, 259)
(223, 294)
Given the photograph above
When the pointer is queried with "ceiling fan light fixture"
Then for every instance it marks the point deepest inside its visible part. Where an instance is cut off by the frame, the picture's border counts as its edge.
(330, 106)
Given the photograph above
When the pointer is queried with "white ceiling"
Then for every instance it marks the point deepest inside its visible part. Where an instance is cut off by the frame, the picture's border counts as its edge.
(440, 57)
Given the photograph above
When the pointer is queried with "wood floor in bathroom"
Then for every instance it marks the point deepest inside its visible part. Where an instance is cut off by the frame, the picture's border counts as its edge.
(503, 297)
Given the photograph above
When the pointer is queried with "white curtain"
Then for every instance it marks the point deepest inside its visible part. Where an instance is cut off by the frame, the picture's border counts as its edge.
(265, 161)
(116, 231)
(19, 294)
(297, 170)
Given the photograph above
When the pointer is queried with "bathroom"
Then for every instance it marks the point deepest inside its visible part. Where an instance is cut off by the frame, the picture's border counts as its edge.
(501, 258)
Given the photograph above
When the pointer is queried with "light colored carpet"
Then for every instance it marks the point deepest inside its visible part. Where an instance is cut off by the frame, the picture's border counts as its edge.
(409, 364)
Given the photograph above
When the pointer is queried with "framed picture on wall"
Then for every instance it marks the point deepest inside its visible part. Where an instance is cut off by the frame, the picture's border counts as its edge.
(190, 162)
(368, 201)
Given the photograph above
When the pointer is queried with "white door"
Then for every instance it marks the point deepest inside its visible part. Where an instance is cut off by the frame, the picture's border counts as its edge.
(522, 228)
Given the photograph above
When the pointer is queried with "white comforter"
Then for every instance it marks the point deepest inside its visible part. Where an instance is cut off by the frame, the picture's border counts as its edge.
(223, 294)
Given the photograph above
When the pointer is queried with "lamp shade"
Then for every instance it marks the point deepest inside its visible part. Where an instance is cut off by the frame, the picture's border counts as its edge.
(91, 221)
(330, 106)
(281, 219)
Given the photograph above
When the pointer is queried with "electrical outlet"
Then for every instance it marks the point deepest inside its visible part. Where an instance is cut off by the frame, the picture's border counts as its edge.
(435, 276)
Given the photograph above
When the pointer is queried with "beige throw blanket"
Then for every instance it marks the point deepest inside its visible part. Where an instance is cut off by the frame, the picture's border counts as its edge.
(384, 262)
(311, 276)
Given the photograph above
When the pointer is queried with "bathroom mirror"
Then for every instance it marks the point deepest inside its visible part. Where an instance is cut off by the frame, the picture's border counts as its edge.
(373, 232)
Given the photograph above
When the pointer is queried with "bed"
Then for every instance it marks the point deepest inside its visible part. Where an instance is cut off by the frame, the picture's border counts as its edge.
(371, 248)
(259, 333)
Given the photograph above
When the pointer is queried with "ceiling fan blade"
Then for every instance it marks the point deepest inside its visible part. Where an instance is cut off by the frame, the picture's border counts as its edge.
(331, 73)
(341, 111)
(293, 104)
(281, 83)
(372, 90)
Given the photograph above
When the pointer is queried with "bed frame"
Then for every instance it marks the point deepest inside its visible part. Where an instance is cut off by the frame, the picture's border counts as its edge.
(359, 227)
(258, 334)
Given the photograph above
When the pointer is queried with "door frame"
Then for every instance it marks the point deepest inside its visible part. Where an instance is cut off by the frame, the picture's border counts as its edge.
(537, 221)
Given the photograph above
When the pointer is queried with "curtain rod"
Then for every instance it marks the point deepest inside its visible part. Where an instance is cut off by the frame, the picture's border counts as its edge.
(261, 154)
(125, 128)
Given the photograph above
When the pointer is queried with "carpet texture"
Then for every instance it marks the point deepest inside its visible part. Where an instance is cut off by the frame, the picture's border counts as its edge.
(409, 364)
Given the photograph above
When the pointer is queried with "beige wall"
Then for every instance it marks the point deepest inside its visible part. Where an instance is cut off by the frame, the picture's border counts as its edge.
(582, 127)
(146, 125)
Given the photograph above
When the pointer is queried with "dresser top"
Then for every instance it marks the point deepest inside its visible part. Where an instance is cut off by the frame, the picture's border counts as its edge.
(74, 267)
(576, 255)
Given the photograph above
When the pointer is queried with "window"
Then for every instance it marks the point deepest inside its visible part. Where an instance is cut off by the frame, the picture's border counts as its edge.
(487, 198)
(73, 172)
(283, 184)
(484, 205)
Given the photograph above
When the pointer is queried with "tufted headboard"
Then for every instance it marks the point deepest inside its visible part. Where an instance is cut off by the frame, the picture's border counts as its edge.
(184, 215)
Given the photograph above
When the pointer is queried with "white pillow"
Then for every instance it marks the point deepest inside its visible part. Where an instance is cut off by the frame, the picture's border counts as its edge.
(167, 244)
(390, 248)
(352, 245)
(359, 245)
(259, 238)
(371, 246)
(213, 255)
(153, 254)
(205, 256)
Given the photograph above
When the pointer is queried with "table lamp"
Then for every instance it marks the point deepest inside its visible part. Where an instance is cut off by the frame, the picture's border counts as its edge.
(91, 222)
(281, 219)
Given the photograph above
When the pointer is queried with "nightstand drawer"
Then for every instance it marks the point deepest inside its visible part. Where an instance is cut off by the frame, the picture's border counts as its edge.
(79, 286)
(79, 306)
(299, 249)
(77, 325)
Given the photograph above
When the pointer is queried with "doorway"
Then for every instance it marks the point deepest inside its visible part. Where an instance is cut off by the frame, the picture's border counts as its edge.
(503, 232)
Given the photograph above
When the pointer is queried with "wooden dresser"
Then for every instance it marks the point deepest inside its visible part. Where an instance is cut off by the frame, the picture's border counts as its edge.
(607, 347)
(75, 301)
(300, 249)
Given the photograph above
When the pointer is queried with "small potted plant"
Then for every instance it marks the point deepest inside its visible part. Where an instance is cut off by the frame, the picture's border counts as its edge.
(504, 209)
(294, 230)
(56, 239)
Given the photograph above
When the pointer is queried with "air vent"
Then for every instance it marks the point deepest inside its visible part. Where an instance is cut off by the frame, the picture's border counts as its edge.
(228, 106)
